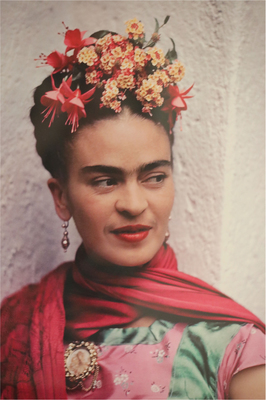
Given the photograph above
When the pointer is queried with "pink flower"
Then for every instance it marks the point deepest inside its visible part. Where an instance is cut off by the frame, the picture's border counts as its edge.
(54, 99)
(58, 61)
(176, 103)
(74, 105)
(74, 40)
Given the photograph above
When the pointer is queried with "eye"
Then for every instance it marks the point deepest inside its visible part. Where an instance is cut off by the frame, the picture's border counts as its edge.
(155, 179)
(105, 183)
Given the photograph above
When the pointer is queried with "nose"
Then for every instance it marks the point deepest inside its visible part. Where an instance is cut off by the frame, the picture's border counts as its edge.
(132, 200)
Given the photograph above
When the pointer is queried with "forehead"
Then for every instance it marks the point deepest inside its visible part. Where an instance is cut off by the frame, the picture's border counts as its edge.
(125, 142)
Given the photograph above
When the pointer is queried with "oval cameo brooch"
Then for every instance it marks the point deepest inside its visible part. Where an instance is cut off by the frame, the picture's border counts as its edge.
(81, 363)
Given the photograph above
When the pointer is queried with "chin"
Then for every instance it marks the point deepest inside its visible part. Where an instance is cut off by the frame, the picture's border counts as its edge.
(134, 257)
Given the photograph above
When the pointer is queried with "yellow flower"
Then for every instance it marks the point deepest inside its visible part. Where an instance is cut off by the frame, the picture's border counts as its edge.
(176, 71)
(103, 43)
(161, 77)
(127, 64)
(149, 92)
(91, 77)
(116, 105)
(157, 56)
(107, 63)
(88, 56)
(125, 81)
(117, 52)
(140, 57)
(135, 29)
(129, 48)
(118, 38)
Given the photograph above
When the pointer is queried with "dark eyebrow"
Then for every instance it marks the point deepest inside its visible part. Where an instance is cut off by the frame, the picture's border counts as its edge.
(107, 169)
(154, 164)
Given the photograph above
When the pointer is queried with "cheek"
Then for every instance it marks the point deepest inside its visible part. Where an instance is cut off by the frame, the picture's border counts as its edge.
(164, 203)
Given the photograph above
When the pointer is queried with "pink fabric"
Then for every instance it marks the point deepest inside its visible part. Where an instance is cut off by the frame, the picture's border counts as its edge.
(247, 349)
(135, 371)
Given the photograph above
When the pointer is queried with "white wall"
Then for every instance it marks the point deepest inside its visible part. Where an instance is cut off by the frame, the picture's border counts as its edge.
(217, 229)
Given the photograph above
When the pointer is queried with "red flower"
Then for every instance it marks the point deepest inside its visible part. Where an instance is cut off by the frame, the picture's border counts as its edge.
(53, 100)
(58, 61)
(175, 103)
(73, 40)
(74, 105)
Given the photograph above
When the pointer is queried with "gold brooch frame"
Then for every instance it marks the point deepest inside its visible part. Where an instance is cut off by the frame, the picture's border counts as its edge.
(80, 360)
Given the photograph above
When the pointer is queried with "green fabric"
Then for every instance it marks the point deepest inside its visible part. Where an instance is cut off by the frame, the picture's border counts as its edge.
(196, 364)
(142, 335)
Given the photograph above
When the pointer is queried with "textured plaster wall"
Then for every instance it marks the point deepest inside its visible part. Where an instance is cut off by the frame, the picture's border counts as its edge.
(217, 226)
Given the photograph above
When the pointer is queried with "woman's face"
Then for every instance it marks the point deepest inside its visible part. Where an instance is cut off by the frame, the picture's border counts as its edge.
(120, 189)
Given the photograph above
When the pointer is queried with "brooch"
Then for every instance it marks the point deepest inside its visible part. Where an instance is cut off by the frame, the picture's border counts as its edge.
(80, 363)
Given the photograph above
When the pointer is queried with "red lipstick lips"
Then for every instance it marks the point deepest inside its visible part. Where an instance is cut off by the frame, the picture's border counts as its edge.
(132, 233)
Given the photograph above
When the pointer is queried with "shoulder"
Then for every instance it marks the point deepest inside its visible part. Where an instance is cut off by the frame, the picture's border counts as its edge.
(211, 353)
(17, 309)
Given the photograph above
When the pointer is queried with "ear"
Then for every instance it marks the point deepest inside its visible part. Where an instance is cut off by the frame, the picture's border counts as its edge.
(60, 199)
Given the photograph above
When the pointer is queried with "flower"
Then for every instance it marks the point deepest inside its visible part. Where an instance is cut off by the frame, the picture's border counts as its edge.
(125, 81)
(107, 62)
(175, 102)
(157, 56)
(149, 94)
(88, 56)
(140, 57)
(128, 64)
(155, 388)
(74, 40)
(115, 65)
(58, 61)
(93, 77)
(74, 105)
(176, 71)
(161, 77)
(103, 43)
(54, 99)
(135, 29)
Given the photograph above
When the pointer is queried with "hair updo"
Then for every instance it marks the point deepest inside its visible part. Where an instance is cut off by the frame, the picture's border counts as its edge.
(52, 143)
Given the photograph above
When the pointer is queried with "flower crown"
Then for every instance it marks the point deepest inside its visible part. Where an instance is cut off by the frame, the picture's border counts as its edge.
(115, 65)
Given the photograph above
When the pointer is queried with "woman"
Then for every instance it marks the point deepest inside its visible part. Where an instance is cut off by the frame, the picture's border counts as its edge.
(120, 321)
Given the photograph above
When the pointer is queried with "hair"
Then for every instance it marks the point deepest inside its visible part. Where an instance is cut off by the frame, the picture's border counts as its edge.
(53, 143)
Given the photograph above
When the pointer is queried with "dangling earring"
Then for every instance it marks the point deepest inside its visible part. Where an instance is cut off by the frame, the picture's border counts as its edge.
(65, 241)
(167, 235)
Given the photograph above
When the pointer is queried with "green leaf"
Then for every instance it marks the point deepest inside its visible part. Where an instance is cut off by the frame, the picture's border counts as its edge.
(157, 27)
(101, 34)
(166, 19)
(171, 55)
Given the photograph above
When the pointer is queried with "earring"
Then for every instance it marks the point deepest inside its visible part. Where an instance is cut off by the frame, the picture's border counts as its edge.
(167, 235)
(65, 241)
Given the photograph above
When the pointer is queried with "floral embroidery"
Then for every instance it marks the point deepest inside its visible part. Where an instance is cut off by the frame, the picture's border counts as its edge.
(130, 349)
(239, 347)
(156, 389)
(161, 354)
(122, 379)
(98, 384)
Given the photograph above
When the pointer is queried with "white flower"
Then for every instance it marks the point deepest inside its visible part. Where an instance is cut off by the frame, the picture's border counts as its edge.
(124, 377)
(161, 353)
(99, 384)
(128, 348)
(155, 388)
(117, 380)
